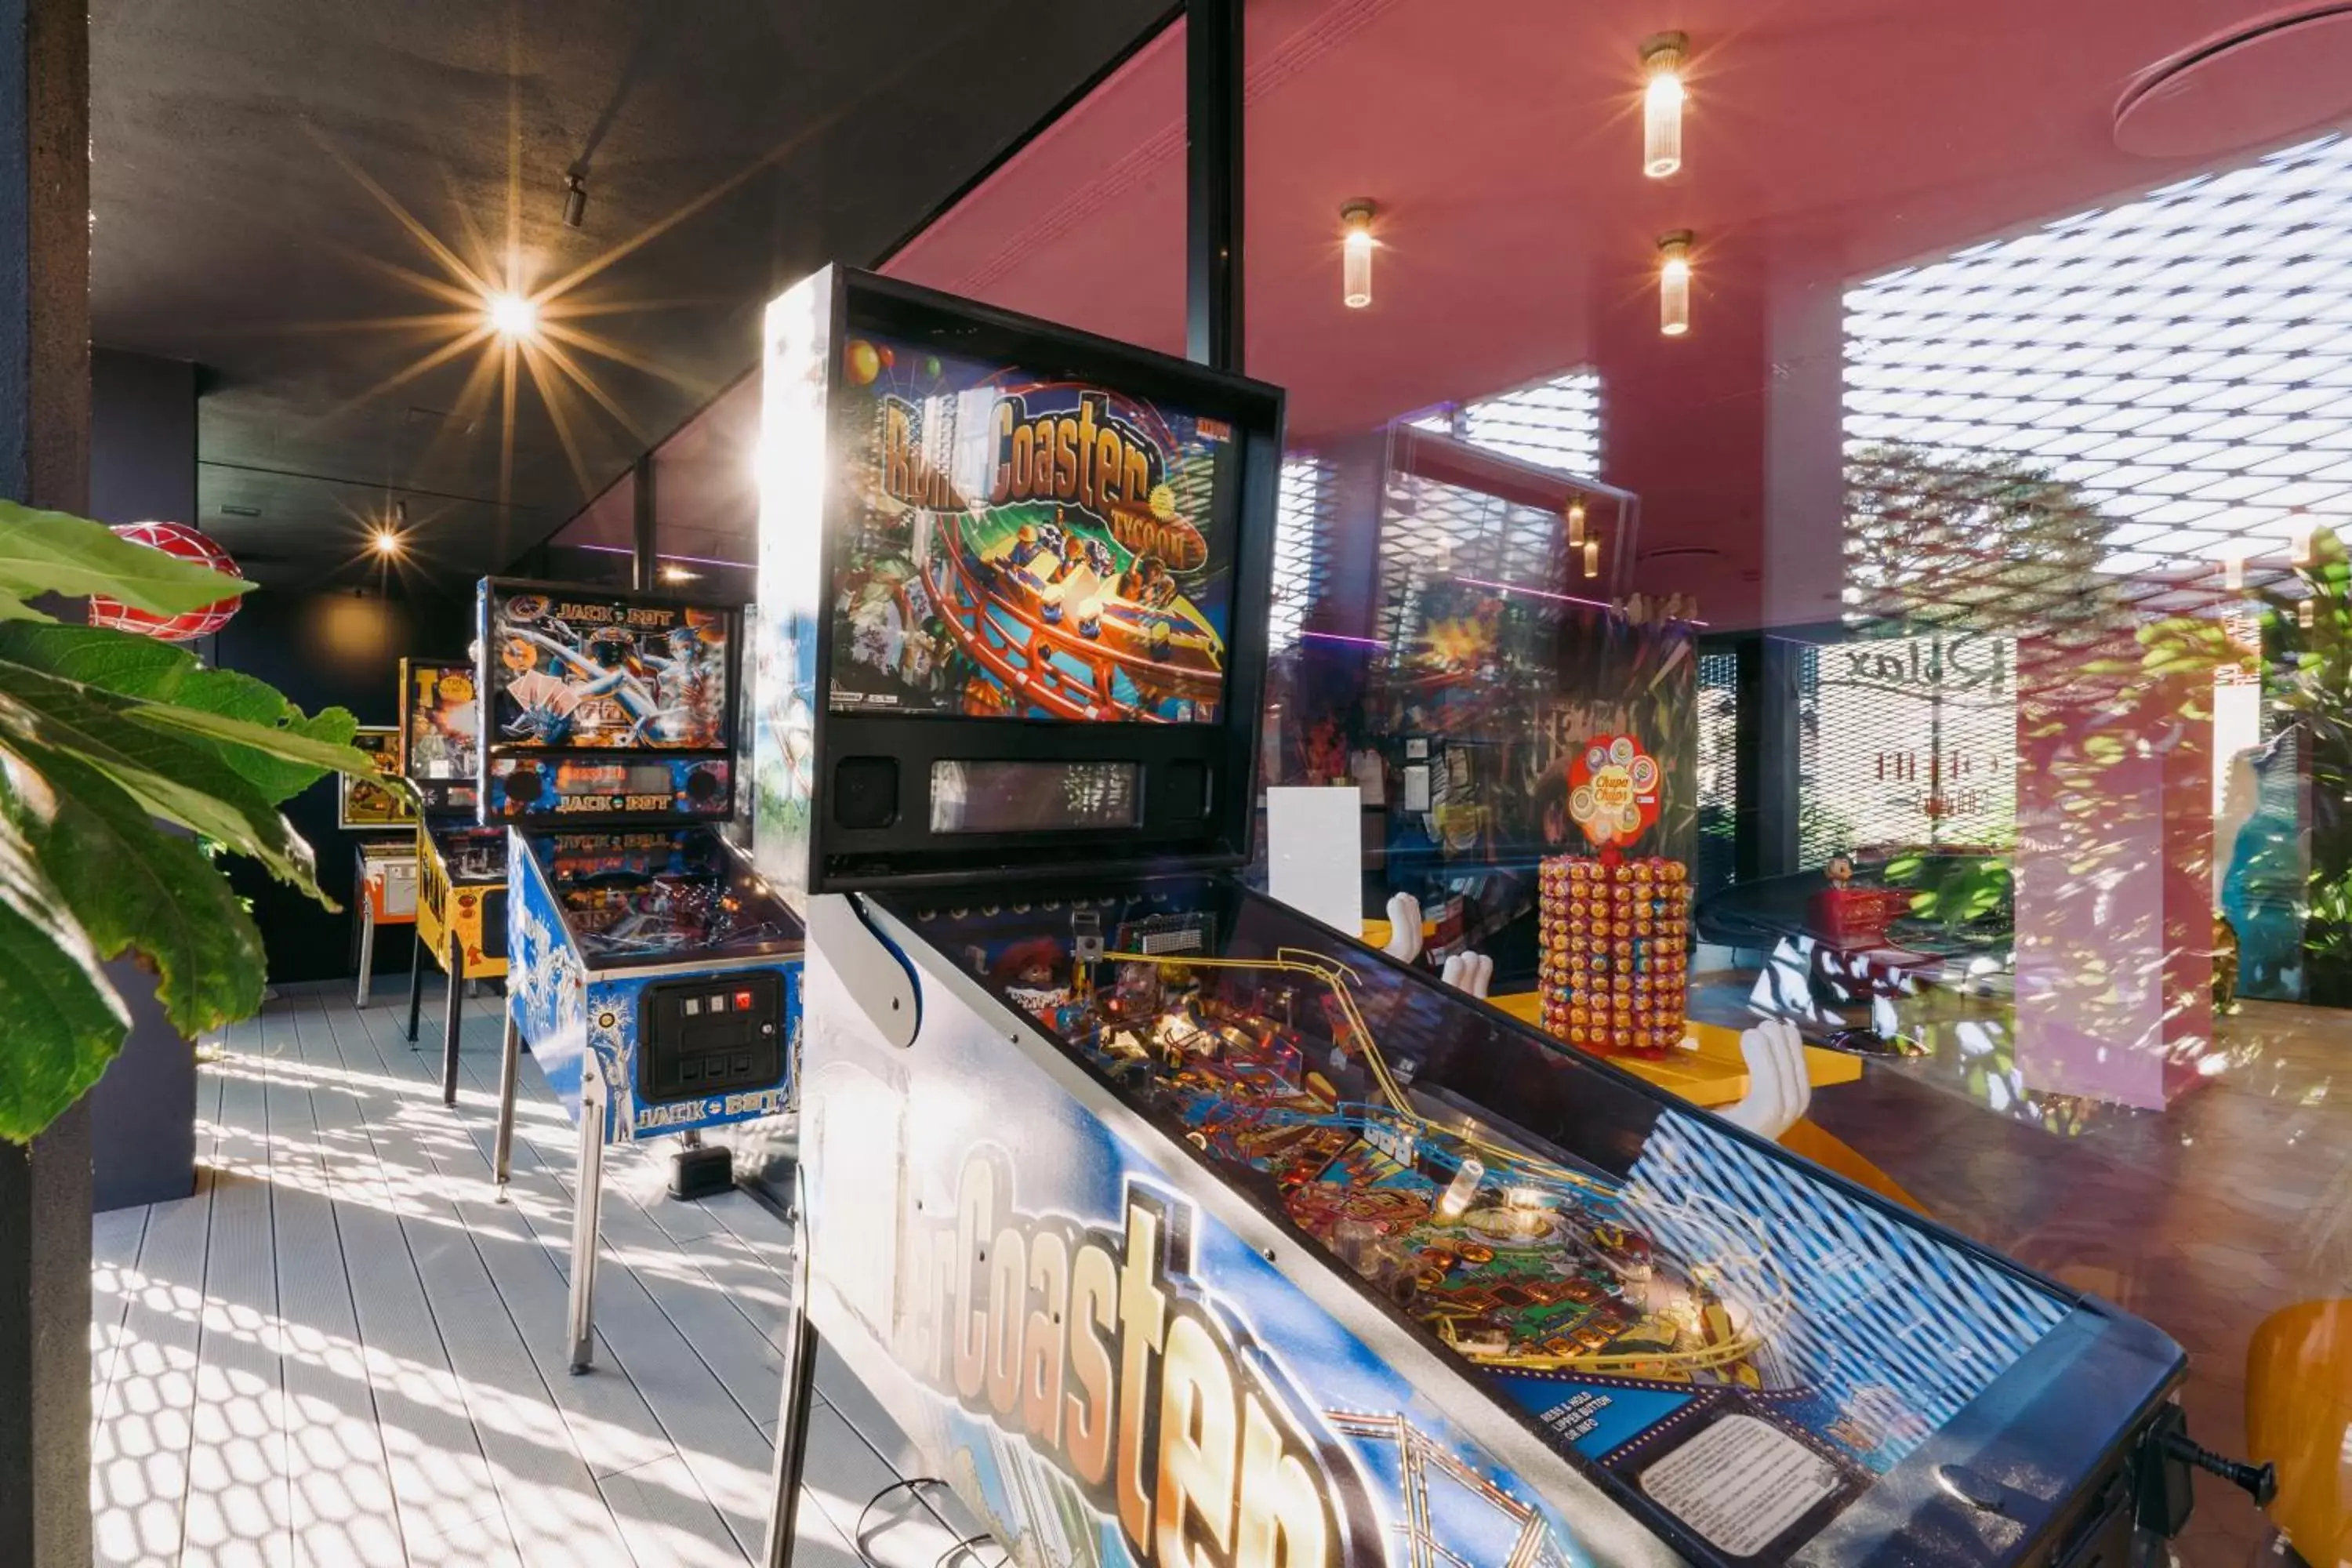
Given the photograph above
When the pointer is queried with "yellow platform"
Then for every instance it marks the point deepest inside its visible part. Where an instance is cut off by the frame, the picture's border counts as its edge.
(1714, 1075)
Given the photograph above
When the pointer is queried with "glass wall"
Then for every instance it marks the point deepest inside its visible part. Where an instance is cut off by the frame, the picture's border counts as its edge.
(705, 499)
(1941, 472)
(597, 546)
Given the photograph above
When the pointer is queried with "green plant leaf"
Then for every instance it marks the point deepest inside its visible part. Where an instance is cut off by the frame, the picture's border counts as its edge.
(64, 1021)
(171, 775)
(132, 666)
(52, 552)
(284, 743)
(135, 887)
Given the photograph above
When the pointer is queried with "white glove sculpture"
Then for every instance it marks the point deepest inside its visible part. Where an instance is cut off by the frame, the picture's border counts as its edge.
(1404, 928)
(1778, 1090)
(1471, 972)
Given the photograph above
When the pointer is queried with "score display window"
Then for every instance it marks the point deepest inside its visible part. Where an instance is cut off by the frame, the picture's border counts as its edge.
(1023, 796)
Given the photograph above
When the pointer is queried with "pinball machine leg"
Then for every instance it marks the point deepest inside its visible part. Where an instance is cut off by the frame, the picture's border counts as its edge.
(587, 1191)
(367, 949)
(453, 1022)
(791, 1422)
(503, 1150)
(415, 978)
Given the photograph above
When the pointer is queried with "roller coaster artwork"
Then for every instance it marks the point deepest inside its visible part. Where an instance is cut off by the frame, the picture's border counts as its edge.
(1066, 641)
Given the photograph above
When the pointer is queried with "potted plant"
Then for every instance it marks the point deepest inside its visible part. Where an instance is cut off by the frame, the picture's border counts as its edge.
(109, 742)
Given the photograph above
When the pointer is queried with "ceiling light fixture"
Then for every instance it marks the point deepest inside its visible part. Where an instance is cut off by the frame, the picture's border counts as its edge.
(1661, 104)
(1673, 282)
(680, 574)
(1592, 558)
(1576, 523)
(511, 316)
(385, 541)
(1356, 268)
(575, 200)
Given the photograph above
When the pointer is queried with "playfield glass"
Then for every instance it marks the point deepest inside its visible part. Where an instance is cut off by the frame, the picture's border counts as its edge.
(572, 670)
(1019, 546)
(1720, 1330)
(660, 896)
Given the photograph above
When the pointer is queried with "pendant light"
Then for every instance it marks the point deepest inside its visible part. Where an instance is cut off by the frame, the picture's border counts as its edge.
(1661, 104)
(1674, 283)
(1356, 266)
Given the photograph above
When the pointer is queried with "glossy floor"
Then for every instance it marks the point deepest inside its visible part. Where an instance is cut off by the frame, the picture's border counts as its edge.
(341, 1350)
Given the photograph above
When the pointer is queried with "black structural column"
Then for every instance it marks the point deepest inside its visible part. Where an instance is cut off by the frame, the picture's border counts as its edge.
(641, 575)
(1212, 129)
(45, 1190)
(1767, 755)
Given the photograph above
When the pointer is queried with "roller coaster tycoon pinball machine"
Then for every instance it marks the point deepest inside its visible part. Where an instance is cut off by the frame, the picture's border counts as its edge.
(1177, 1228)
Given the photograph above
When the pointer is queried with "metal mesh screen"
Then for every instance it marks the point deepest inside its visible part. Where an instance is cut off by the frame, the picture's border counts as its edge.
(1302, 534)
(1556, 422)
(2179, 360)
(1718, 770)
(1440, 532)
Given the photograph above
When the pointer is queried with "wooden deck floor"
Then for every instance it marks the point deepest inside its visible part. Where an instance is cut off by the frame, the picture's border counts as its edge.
(341, 1350)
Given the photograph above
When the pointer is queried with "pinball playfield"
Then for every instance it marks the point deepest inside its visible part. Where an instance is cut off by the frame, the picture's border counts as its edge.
(1617, 1301)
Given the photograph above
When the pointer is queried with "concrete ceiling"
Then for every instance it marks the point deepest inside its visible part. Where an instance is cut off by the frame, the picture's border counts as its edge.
(301, 196)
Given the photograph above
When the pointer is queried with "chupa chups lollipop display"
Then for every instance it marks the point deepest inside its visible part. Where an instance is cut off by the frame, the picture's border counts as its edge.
(1614, 929)
(1615, 969)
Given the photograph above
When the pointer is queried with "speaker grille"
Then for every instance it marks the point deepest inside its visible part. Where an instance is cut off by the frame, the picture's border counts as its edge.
(865, 791)
(1184, 791)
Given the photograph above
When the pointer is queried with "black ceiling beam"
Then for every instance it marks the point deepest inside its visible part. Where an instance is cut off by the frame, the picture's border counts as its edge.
(1212, 135)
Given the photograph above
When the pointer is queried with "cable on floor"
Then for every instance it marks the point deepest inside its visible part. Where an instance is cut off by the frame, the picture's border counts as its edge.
(905, 1483)
(966, 1544)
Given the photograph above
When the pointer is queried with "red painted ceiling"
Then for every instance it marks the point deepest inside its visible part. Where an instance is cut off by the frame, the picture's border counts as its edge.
(1824, 140)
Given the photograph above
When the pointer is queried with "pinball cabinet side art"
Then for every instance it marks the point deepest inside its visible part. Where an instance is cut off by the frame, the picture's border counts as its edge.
(461, 866)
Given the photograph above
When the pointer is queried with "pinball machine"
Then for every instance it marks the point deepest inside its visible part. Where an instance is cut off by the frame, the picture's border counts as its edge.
(1175, 1228)
(461, 866)
(654, 975)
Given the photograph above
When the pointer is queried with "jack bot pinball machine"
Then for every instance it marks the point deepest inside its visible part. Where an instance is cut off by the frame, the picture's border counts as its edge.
(654, 975)
(1177, 1228)
(461, 866)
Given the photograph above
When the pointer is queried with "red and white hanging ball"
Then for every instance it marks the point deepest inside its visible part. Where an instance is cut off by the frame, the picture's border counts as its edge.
(189, 544)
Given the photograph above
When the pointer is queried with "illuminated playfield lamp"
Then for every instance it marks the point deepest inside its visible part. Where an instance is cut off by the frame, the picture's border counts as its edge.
(1661, 104)
(1356, 266)
(510, 315)
(1673, 282)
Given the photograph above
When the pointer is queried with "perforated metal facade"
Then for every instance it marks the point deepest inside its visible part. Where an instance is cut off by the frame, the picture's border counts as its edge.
(2184, 358)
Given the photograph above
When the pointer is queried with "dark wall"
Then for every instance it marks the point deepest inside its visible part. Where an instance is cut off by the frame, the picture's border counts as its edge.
(142, 438)
(321, 649)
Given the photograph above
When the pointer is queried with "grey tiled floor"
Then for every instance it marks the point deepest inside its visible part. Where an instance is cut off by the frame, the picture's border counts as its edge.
(341, 1351)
